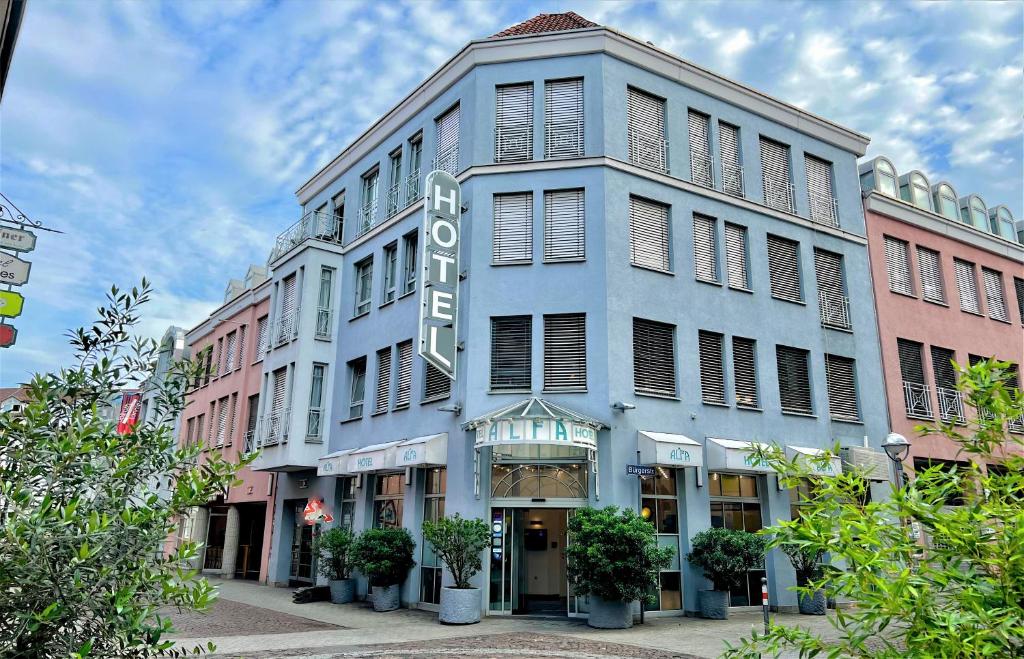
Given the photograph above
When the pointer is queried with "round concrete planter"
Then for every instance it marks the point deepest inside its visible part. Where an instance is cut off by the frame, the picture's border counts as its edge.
(813, 605)
(386, 598)
(459, 606)
(610, 614)
(714, 604)
(343, 591)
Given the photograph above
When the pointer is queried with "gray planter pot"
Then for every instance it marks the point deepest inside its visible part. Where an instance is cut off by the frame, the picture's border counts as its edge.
(813, 605)
(610, 614)
(386, 598)
(343, 591)
(459, 606)
(714, 604)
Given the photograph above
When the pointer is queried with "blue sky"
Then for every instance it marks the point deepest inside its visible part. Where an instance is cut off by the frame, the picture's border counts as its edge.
(167, 139)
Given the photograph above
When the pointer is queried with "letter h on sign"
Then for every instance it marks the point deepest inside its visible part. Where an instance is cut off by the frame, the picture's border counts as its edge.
(439, 296)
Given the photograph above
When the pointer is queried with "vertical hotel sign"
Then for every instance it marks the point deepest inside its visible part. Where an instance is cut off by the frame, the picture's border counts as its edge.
(439, 295)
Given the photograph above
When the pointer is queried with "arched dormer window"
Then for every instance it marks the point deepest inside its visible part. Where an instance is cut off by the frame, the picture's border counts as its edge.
(1002, 222)
(974, 212)
(944, 199)
(885, 177)
(914, 188)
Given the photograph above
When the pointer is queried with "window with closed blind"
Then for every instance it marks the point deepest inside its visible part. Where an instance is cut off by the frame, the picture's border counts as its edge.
(967, 286)
(447, 126)
(436, 385)
(794, 380)
(654, 357)
(929, 266)
(1018, 285)
(744, 372)
(951, 405)
(834, 305)
(732, 165)
(736, 266)
(513, 229)
(649, 234)
(262, 337)
(820, 196)
(563, 118)
(705, 248)
(564, 226)
(995, 296)
(646, 130)
(712, 367)
(513, 123)
(776, 179)
(511, 348)
(784, 268)
(840, 378)
(383, 381)
(897, 264)
(565, 352)
(701, 170)
(403, 384)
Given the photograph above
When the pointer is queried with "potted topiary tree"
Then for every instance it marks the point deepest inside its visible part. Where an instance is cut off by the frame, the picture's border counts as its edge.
(384, 556)
(333, 549)
(807, 563)
(459, 543)
(613, 556)
(725, 556)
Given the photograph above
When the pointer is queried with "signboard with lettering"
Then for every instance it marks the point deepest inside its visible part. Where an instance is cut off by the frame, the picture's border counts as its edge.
(439, 303)
(13, 270)
(18, 240)
(639, 470)
(536, 431)
(131, 402)
(11, 304)
(8, 335)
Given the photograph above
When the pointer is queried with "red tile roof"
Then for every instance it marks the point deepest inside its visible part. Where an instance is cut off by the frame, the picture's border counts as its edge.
(570, 20)
(16, 392)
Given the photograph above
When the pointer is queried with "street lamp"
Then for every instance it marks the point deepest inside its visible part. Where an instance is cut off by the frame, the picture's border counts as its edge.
(897, 447)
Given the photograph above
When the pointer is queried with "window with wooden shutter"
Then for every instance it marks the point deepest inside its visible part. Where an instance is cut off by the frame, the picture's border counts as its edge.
(897, 264)
(995, 296)
(447, 158)
(436, 384)
(357, 387)
(775, 175)
(712, 367)
(701, 169)
(967, 286)
(841, 381)
(513, 228)
(649, 234)
(1018, 285)
(563, 118)
(794, 380)
(646, 130)
(784, 268)
(929, 267)
(513, 123)
(834, 306)
(383, 381)
(744, 371)
(654, 357)
(564, 226)
(820, 196)
(565, 352)
(951, 404)
(705, 248)
(916, 394)
(511, 352)
(736, 256)
(732, 167)
(403, 388)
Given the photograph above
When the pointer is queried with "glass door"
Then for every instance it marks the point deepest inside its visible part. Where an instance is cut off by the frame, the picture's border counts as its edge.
(577, 606)
(501, 573)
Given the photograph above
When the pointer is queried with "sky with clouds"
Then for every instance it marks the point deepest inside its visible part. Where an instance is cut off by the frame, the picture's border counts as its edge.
(167, 139)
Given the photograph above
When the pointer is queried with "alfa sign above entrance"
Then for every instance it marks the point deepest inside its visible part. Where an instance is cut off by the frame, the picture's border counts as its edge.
(439, 295)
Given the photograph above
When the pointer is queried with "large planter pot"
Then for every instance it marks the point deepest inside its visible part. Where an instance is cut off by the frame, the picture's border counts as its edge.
(343, 591)
(459, 606)
(386, 598)
(714, 604)
(610, 614)
(813, 605)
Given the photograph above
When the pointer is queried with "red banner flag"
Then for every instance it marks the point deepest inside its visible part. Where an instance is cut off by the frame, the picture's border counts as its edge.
(129, 416)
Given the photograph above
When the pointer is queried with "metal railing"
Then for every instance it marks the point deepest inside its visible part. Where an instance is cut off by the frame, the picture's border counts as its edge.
(448, 160)
(732, 180)
(834, 310)
(918, 399)
(214, 558)
(951, 404)
(319, 225)
(393, 199)
(781, 196)
(513, 144)
(323, 323)
(274, 428)
(563, 139)
(1016, 425)
(702, 170)
(367, 216)
(650, 151)
(286, 327)
(824, 208)
(314, 428)
(412, 187)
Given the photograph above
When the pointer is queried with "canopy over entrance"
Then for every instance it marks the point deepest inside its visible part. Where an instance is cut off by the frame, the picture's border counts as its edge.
(535, 421)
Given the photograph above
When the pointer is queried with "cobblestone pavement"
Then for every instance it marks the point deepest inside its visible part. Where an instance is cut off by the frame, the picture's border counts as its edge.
(229, 618)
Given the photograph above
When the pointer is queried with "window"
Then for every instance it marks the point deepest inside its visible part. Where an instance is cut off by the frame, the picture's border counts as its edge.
(513, 123)
(323, 303)
(209, 365)
(364, 283)
(646, 130)
(916, 191)
(409, 244)
(511, 351)
(916, 396)
(262, 334)
(199, 429)
(955, 497)
(712, 368)
(219, 368)
(842, 388)
(232, 419)
(288, 308)
(243, 331)
(945, 202)
(775, 175)
(390, 272)
(974, 213)
(1002, 223)
(784, 268)
(701, 169)
(368, 204)
(820, 196)
(649, 234)
(794, 380)
(834, 307)
(231, 352)
(251, 422)
(339, 215)
(654, 357)
(967, 286)
(1018, 285)
(897, 264)
(190, 428)
(222, 420)
(885, 178)
(412, 181)
(346, 492)
(744, 372)
(434, 489)
(276, 424)
(951, 404)
(563, 118)
(513, 228)
(447, 158)
(705, 248)
(315, 415)
(383, 381)
(801, 496)
(736, 256)
(929, 266)
(995, 296)
(436, 384)
(403, 388)
(565, 352)
(660, 506)
(393, 201)
(735, 505)
(388, 497)
(564, 226)
(357, 390)
(732, 166)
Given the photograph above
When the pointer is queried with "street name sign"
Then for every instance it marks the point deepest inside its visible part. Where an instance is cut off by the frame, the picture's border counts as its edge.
(13, 270)
(17, 239)
(639, 470)
(11, 303)
(439, 295)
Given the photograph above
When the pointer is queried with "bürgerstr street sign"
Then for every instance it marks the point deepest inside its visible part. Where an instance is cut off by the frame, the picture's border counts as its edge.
(13, 270)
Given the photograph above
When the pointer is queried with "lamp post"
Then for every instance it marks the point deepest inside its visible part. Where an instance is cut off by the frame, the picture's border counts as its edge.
(897, 447)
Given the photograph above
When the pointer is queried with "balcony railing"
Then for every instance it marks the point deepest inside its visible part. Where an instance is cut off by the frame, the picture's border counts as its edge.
(513, 144)
(323, 323)
(779, 195)
(951, 404)
(1017, 425)
(824, 208)
(563, 139)
(732, 180)
(274, 428)
(412, 187)
(448, 160)
(392, 201)
(918, 399)
(319, 225)
(286, 327)
(647, 150)
(834, 310)
(702, 170)
(367, 216)
(314, 427)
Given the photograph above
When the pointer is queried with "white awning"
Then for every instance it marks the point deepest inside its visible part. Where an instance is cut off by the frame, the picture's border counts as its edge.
(669, 450)
(733, 455)
(535, 421)
(376, 457)
(334, 464)
(801, 453)
(429, 450)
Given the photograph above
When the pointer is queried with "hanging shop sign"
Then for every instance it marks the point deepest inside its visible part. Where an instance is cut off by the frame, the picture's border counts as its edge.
(131, 403)
(18, 240)
(315, 512)
(439, 304)
(669, 449)
(13, 270)
(11, 304)
(733, 455)
(8, 335)
(536, 431)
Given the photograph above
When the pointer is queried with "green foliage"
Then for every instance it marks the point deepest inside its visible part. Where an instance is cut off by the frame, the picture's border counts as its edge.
(384, 556)
(956, 592)
(334, 549)
(806, 561)
(726, 555)
(459, 543)
(85, 512)
(613, 554)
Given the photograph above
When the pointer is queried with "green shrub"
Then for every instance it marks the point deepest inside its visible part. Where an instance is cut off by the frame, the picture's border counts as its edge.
(384, 556)
(459, 543)
(333, 549)
(726, 555)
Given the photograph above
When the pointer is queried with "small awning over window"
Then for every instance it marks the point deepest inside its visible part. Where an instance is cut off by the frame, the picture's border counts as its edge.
(802, 453)
(669, 450)
(334, 464)
(535, 421)
(733, 455)
(376, 457)
(429, 450)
